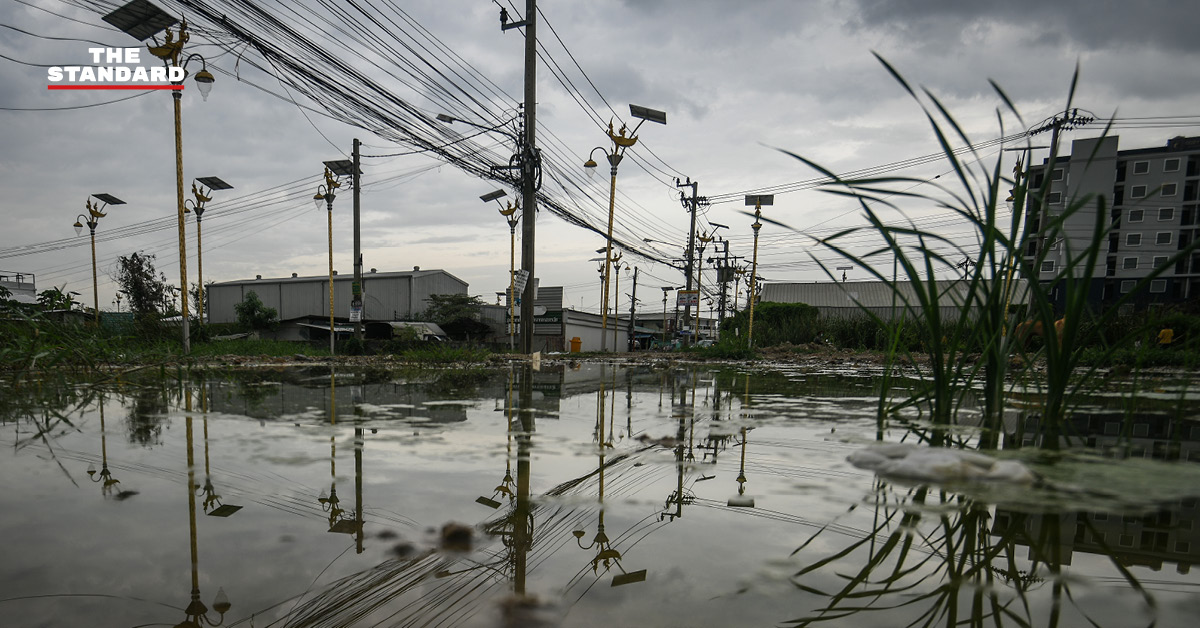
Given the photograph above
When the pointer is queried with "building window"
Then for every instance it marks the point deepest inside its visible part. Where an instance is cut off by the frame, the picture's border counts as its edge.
(1133, 239)
(1162, 237)
(1127, 286)
(1141, 167)
(1048, 267)
(1182, 547)
(1054, 198)
(1169, 189)
(1158, 285)
(1166, 213)
(1129, 263)
(1137, 191)
(1160, 261)
(1136, 215)
(1056, 175)
(1171, 164)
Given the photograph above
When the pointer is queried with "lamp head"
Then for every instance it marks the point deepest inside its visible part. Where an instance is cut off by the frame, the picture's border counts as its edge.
(204, 82)
(78, 227)
(318, 199)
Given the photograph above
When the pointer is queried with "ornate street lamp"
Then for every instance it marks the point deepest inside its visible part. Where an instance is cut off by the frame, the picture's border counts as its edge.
(95, 213)
(510, 214)
(620, 142)
(757, 200)
(142, 20)
(197, 207)
(325, 195)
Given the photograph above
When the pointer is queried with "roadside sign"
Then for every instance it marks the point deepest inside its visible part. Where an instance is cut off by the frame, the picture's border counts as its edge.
(520, 278)
(687, 298)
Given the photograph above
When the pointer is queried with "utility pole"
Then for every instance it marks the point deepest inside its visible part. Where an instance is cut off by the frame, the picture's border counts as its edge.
(690, 204)
(632, 310)
(529, 159)
(722, 272)
(356, 296)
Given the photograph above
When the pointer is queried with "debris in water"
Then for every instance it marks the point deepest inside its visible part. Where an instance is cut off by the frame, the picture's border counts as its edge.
(457, 537)
(931, 464)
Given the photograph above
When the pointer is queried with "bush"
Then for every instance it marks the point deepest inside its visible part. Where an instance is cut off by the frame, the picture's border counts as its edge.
(252, 315)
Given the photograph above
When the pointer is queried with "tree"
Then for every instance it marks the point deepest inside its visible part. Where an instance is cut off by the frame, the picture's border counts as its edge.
(55, 299)
(253, 315)
(447, 308)
(457, 315)
(145, 289)
(194, 297)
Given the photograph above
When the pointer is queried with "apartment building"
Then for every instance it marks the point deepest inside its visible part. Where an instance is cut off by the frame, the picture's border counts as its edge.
(1152, 213)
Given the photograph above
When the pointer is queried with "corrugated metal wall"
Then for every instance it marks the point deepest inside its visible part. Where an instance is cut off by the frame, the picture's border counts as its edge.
(386, 295)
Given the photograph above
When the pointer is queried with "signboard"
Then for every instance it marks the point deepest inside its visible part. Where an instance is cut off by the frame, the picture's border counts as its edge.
(546, 317)
(520, 278)
(355, 310)
(687, 298)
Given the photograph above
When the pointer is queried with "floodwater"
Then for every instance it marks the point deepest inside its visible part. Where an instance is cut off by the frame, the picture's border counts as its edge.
(578, 495)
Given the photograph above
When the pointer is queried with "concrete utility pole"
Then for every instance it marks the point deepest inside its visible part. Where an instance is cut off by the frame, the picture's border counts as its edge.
(530, 168)
(356, 293)
(722, 265)
(632, 309)
(690, 204)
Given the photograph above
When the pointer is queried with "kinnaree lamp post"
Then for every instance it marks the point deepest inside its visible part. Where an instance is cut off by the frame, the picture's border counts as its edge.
(202, 197)
(143, 20)
(620, 142)
(95, 213)
(757, 201)
(510, 215)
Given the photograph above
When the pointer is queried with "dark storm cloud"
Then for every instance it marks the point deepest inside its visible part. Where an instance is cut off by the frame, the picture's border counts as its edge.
(1090, 24)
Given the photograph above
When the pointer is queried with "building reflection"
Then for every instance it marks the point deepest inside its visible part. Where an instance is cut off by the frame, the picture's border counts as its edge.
(1167, 536)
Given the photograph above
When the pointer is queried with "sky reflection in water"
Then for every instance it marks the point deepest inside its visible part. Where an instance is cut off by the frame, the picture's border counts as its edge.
(622, 496)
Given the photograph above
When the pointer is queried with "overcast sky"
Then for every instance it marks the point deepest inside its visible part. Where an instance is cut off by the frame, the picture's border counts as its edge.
(738, 81)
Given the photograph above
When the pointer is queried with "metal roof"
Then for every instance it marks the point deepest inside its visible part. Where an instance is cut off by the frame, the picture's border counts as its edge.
(873, 294)
(339, 277)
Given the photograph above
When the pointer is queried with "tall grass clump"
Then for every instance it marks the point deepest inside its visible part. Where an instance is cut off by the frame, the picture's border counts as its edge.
(971, 343)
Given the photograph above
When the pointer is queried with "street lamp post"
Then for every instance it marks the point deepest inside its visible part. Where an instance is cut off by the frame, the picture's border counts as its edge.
(95, 213)
(326, 195)
(757, 200)
(509, 214)
(142, 20)
(170, 53)
(202, 197)
(616, 264)
(620, 142)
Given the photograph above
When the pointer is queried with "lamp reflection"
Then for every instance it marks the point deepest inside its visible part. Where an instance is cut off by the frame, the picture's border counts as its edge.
(212, 501)
(341, 522)
(196, 612)
(606, 555)
(507, 483)
(741, 500)
(108, 484)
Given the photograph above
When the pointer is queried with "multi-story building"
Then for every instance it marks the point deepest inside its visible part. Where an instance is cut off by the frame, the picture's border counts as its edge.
(1152, 212)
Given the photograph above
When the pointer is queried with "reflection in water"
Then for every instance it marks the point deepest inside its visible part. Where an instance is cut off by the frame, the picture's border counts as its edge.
(606, 554)
(196, 611)
(876, 553)
(107, 482)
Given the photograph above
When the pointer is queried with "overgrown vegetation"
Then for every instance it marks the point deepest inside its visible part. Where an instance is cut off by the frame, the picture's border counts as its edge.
(252, 315)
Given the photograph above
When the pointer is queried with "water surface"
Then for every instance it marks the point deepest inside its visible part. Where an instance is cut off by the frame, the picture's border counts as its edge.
(585, 495)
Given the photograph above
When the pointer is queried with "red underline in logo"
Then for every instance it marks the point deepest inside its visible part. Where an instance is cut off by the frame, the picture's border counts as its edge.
(103, 86)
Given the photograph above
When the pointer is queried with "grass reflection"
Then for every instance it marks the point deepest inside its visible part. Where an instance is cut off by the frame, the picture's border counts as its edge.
(937, 558)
